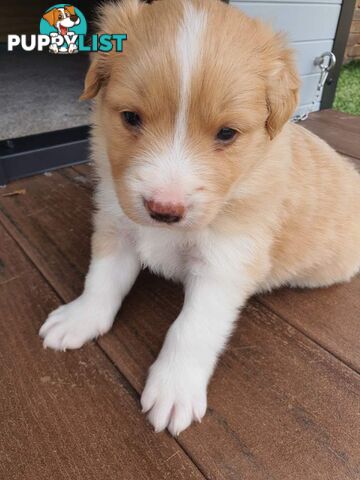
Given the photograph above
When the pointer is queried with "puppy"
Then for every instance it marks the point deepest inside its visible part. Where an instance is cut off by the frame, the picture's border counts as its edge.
(203, 180)
(62, 19)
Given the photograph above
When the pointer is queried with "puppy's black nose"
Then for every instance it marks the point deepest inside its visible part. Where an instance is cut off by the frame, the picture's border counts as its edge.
(74, 18)
(166, 213)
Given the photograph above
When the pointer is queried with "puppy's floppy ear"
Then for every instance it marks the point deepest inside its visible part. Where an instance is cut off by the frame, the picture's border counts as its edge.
(119, 17)
(282, 92)
(51, 17)
(95, 77)
(70, 9)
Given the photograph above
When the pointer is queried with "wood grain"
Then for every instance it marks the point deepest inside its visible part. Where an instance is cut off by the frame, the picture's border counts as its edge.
(279, 406)
(67, 415)
(340, 130)
(48, 215)
(330, 316)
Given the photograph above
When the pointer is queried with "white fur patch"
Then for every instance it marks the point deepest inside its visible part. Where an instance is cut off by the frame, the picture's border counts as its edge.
(92, 314)
(188, 49)
(169, 175)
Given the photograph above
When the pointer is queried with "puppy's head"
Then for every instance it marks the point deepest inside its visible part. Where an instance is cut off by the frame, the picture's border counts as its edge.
(190, 107)
(65, 17)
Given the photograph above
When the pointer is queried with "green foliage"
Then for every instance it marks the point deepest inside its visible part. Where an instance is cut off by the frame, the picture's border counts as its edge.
(348, 89)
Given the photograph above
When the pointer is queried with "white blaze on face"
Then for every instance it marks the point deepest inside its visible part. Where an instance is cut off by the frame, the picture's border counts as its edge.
(169, 176)
(188, 49)
(175, 167)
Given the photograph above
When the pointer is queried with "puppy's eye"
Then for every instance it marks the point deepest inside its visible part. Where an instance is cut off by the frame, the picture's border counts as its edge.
(131, 119)
(225, 135)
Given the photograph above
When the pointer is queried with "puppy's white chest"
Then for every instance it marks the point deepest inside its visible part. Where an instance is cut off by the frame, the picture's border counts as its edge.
(164, 252)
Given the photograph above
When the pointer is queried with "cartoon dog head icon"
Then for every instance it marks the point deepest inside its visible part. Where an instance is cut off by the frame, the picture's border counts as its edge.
(62, 18)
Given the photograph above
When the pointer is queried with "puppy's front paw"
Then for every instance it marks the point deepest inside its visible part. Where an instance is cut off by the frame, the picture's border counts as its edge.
(72, 325)
(174, 396)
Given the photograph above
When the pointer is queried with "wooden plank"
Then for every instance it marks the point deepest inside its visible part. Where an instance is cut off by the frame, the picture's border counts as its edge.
(85, 171)
(340, 130)
(279, 406)
(273, 403)
(67, 416)
(47, 214)
(330, 316)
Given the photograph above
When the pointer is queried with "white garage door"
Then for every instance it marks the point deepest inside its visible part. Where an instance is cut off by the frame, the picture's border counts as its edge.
(311, 27)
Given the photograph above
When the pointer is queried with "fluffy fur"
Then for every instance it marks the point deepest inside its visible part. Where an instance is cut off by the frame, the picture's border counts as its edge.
(276, 206)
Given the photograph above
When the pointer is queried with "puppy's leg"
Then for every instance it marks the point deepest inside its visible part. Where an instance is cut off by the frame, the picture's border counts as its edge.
(175, 391)
(113, 270)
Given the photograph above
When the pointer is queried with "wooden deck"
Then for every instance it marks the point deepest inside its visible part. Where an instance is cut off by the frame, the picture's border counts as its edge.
(285, 400)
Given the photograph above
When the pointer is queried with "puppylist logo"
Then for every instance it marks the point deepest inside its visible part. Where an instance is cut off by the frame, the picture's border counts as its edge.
(63, 30)
(64, 24)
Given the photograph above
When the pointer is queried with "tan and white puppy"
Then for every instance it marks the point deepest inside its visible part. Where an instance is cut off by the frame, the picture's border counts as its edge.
(203, 180)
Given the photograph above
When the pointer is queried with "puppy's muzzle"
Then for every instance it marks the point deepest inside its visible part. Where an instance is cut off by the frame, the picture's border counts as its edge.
(166, 213)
